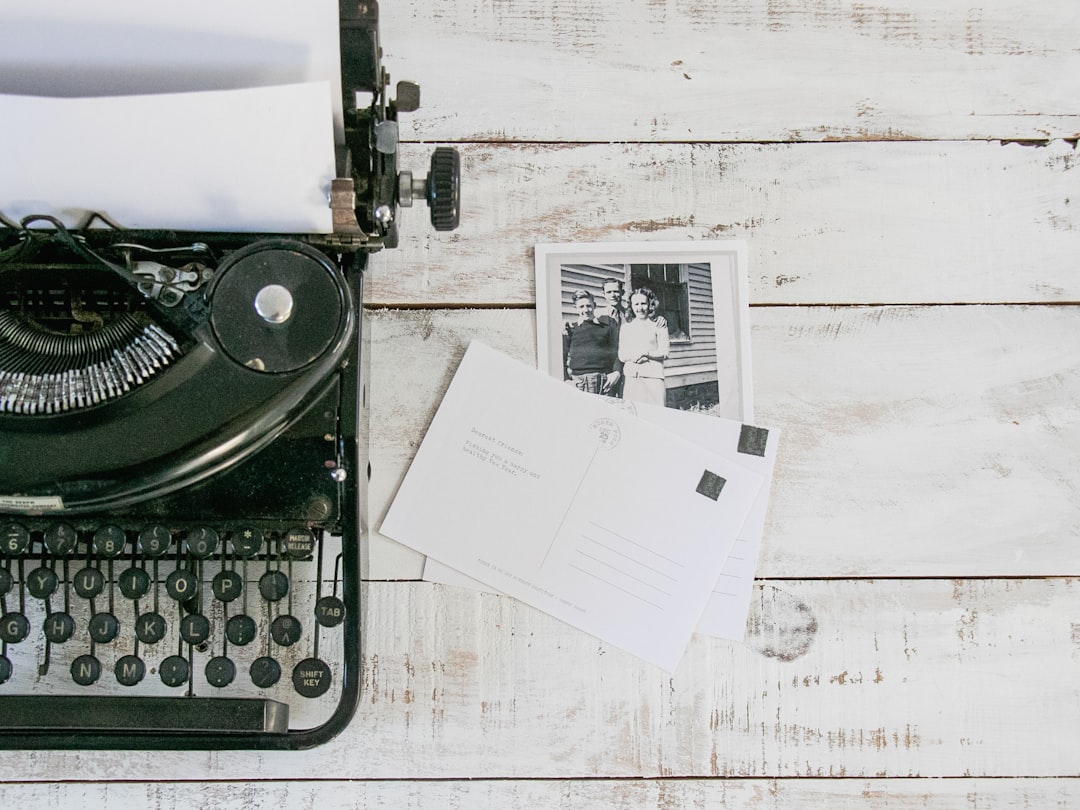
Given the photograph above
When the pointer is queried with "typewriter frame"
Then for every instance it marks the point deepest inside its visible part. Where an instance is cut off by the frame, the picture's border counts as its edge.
(364, 200)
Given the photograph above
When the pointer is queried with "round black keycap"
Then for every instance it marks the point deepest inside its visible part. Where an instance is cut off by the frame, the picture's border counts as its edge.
(154, 540)
(220, 671)
(201, 542)
(240, 630)
(89, 583)
(247, 542)
(5, 668)
(329, 611)
(173, 671)
(5, 581)
(103, 627)
(60, 539)
(14, 627)
(14, 539)
(134, 583)
(274, 585)
(228, 585)
(42, 583)
(299, 543)
(85, 670)
(285, 630)
(129, 670)
(265, 672)
(311, 678)
(181, 585)
(109, 541)
(150, 628)
(59, 627)
(195, 628)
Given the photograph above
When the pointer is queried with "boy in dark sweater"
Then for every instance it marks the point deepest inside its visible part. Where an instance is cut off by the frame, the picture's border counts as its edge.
(590, 348)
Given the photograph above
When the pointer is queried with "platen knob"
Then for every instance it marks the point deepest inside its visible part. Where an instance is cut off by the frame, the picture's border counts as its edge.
(444, 188)
(441, 189)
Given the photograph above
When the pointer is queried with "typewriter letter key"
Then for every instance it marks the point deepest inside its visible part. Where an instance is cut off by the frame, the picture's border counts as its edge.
(42, 583)
(59, 627)
(14, 627)
(129, 670)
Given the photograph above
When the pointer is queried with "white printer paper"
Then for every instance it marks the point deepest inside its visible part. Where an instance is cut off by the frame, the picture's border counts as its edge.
(585, 511)
(74, 48)
(202, 115)
(242, 160)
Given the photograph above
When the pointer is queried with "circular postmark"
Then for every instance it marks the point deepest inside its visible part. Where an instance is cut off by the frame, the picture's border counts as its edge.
(606, 432)
(621, 404)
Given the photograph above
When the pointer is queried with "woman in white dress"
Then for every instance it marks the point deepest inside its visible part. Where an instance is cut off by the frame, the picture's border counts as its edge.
(643, 348)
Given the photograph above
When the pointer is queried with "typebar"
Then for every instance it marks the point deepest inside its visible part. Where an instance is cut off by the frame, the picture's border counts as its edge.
(157, 714)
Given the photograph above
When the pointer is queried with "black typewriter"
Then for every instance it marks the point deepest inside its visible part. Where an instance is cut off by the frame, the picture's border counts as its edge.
(179, 460)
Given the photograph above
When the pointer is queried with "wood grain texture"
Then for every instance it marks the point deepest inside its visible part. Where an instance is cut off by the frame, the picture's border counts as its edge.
(740, 70)
(848, 223)
(916, 441)
(547, 794)
(840, 678)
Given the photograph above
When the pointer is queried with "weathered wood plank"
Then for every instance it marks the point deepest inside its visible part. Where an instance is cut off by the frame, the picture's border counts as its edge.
(917, 441)
(825, 223)
(755, 70)
(839, 678)
(549, 794)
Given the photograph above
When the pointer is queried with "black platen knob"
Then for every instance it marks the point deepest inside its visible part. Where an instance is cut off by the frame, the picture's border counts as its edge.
(444, 188)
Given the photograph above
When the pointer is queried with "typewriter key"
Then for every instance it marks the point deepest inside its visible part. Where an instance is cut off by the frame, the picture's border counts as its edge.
(85, 670)
(59, 627)
(14, 627)
(181, 585)
(109, 541)
(329, 611)
(42, 583)
(202, 542)
(227, 585)
(311, 678)
(89, 583)
(247, 542)
(265, 672)
(103, 627)
(195, 628)
(5, 668)
(150, 628)
(5, 581)
(274, 586)
(220, 671)
(299, 543)
(14, 539)
(173, 671)
(154, 540)
(129, 670)
(240, 630)
(60, 539)
(285, 630)
(134, 583)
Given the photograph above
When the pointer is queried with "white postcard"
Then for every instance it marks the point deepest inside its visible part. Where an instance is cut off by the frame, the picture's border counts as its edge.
(753, 447)
(585, 511)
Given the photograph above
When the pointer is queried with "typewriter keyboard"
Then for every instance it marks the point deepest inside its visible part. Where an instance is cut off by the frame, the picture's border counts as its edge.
(157, 611)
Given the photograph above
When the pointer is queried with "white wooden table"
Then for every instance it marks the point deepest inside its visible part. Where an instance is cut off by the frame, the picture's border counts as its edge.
(907, 176)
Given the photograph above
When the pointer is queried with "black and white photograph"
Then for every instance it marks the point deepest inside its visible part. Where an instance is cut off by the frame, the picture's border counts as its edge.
(664, 323)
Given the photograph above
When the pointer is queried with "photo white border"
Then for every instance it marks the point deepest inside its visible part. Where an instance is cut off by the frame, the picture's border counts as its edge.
(727, 260)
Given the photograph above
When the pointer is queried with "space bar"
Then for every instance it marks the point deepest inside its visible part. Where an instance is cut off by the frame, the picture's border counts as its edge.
(160, 714)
